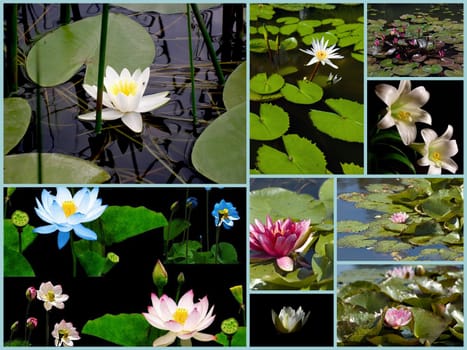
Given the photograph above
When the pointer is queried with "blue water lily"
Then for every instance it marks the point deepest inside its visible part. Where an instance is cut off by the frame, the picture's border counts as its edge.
(224, 214)
(65, 213)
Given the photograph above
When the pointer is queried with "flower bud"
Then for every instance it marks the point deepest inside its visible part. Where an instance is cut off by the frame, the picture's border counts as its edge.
(289, 320)
(237, 292)
(31, 293)
(159, 275)
(19, 218)
(174, 206)
(31, 323)
(14, 327)
(192, 202)
(181, 278)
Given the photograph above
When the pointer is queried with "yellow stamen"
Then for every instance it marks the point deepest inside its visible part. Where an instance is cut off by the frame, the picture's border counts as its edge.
(224, 213)
(403, 115)
(69, 208)
(180, 315)
(321, 55)
(436, 156)
(50, 295)
(126, 87)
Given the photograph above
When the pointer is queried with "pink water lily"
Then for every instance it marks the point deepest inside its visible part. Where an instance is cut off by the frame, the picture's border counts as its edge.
(406, 272)
(397, 317)
(278, 240)
(399, 218)
(184, 320)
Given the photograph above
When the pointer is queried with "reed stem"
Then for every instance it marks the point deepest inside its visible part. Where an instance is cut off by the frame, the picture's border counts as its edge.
(192, 66)
(100, 74)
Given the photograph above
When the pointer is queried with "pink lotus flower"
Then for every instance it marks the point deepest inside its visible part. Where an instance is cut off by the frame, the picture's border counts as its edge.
(64, 333)
(279, 239)
(51, 295)
(397, 317)
(399, 218)
(406, 272)
(184, 320)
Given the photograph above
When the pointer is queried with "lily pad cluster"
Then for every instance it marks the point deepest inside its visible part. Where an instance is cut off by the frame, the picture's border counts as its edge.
(419, 43)
(431, 300)
(316, 270)
(433, 230)
(294, 119)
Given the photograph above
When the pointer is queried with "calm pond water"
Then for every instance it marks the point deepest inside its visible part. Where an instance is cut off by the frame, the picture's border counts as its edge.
(169, 134)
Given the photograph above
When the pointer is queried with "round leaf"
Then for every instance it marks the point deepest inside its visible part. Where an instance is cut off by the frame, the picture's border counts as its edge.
(235, 84)
(17, 116)
(262, 84)
(307, 92)
(271, 123)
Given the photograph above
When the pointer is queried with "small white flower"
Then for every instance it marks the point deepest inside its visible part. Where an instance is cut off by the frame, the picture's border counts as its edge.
(437, 151)
(403, 109)
(333, 78)
(51, 295)
(322, 53)
(289, 320)
(124, 97)
(64, 334)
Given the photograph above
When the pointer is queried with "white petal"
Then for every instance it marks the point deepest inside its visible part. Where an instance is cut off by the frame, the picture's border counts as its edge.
(434, 170)
(387, 93)
(133, 120)
(428, 135)
(386, 122)
(419, 95)
(151, 102)
(450, 165)
(408, 132)
(203, 336)
(165, 340)
(91, 90)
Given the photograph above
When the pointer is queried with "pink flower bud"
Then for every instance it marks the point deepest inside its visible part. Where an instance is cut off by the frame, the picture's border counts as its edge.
(31, 293)
(31, 323)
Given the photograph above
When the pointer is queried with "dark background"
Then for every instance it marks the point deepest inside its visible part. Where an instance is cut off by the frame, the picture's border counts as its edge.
(318, 331)
(128, 286)
(445, 105)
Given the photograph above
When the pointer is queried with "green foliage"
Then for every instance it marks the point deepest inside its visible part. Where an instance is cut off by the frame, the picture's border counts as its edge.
(271, 123)
(306, 92)
(262, 84)
(16, 119)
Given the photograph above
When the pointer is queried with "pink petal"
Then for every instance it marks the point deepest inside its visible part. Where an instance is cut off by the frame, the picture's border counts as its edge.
(285, 263)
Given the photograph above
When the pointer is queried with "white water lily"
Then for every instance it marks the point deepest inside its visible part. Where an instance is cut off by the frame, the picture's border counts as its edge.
(321, 53)
(437, 151)
(403, 108)
(289, 320)
(123, 97)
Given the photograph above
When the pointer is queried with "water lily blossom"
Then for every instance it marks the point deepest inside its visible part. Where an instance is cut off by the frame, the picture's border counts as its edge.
(184, 320)
(405, 272)
(51, 295)
(278, 240)
(403, 108)
(289, 320)
(321, 53)
(399, 218)
(123, 97)
(64, 333)
(437, 151)
(397, 317)
(225, 214)
(65, 213)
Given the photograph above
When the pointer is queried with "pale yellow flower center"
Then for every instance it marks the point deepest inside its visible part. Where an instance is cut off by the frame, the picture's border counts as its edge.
(321, 55)
(50, 295)
(126, 87)
(63, 333)
(180, 315)
(224, 213)
(405, 116)
(436, 157)
(69, 208)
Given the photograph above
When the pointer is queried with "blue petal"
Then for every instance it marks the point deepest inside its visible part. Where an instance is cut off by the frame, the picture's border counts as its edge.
(45, 229)
(62, 239)
(84, 232)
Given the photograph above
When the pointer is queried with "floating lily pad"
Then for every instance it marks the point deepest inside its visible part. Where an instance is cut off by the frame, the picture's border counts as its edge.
(56, 169)
(433, 69)
(288, 29)
(60, 54)
(233, 93)
(351, 226)
(16, 119)
(307, 92)
(302, 157)
(403, 70)
(220, 152)
(329, 37)
(351, 168)
(271, 123)
(307, 26)
(288, 20)
(262, 84)
(264, 11)
(347, 125)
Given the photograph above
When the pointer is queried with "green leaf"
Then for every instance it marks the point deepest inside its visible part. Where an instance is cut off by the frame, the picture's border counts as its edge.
(302, 157)
(227, 253)
(329, 37)
(15, 264)
(326, 195)
(288, 29)
(428, 326)
(60, 54)
(262, 84)
(307, 92)
(238, 339)
(271, 123)
(347, 126)
(16, 119)
(351, 168)
(433, 69)
(264, 11)
(288, 44)
(220, 152)
(122, 222)
(175, 228)
(258, 45)
(307, 26)
(56, 169)
(236, 82)
(188, 253)
(122, 329)
(280, 203)
(10, 235)
(91, 262)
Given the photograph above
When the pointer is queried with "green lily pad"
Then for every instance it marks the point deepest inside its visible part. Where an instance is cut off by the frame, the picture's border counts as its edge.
(347, 125)
(288, 20)
(288, 29)
(329, 37)
(403, 70)
(358, 56)
(16, 119)
(220, 152)
(264, 11)
(351, 226)
(307, 92)
(288, 44)
(234, 85)
(351, 168)
(262, 84)
(56, 169)
(307, 26)
(302, 157)
(433, 68)
(271, 123)
(60, 54)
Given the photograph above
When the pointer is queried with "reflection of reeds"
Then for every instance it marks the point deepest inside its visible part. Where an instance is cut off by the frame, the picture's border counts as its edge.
(100, 73)
(11, 17)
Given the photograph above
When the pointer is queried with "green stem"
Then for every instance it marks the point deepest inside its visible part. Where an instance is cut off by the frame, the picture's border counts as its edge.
(207, 220)
(167, 241)
(65, 13)
(38, 130)
(218, 230)
(207, 39)
(20, 240)
(192, 66)
(25, 319)
(12, 47)
(100, 74)
(46, 328)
